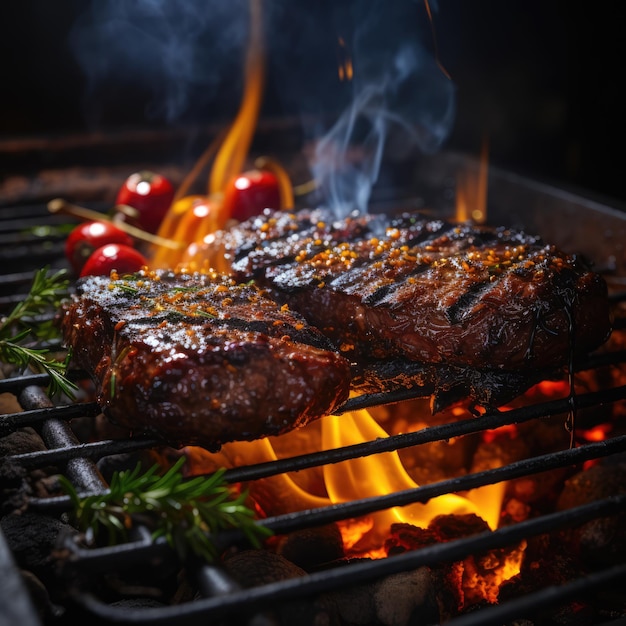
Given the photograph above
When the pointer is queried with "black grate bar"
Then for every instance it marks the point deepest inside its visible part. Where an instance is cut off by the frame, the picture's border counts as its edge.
(97, 558)
(12, 421)
(82, 472)
(17, 383)
(56, 433)
(271, 468)
(31, 252)
(25, 225)
(604, 359)
(367, 401)
(430, 434)
(95, 450)
(109, 558)
(526, 467)
(199, 610)
(17, 278)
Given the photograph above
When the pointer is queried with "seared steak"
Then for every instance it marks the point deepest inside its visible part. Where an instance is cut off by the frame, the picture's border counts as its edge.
(199, 359)
(425, 290)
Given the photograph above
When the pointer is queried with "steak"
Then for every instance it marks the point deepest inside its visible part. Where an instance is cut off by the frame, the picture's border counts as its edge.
(424, 290)
(200, 359)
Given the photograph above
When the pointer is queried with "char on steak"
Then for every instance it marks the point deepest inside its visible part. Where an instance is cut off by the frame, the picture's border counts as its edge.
(199, 359)
(408, 289)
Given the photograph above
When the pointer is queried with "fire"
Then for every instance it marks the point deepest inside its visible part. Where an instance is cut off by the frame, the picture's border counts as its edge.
(471, 190)
(377, 475)
(346, 481)
(228, 152)
(345, 71)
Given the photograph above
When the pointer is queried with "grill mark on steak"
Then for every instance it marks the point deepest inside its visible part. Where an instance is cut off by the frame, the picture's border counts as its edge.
(466, 301)
(426, 290)
(305, 335)
(198, 359)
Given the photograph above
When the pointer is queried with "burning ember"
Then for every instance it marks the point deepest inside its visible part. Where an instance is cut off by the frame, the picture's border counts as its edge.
(372, 476)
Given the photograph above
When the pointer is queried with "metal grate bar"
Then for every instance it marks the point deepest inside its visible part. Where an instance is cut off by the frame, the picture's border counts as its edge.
(95, 450)
(427, 435)
(11, 421)
(528, 466)
(57, 433)
(16, 384)
(97, 558)
(392, 443)
(272, 468)
(265, 595)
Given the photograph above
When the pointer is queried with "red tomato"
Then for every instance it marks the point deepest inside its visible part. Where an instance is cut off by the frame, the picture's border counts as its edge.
(113, 256)
(150, 195)
(89, 236)
(250, 193)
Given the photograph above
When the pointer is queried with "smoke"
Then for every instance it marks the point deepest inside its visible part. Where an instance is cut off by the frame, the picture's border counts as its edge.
(401, 100)
(171, 55)
(365, 65)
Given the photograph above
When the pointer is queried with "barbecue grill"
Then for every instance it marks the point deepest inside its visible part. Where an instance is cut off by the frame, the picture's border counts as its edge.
(569, 219)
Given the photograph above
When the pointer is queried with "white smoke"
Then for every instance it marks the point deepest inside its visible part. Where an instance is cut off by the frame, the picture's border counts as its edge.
(187, 53)
(401, 100)
(175, 51)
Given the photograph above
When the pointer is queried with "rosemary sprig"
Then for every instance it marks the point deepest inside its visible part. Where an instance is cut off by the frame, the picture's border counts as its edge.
(47, 292)
(185, 512)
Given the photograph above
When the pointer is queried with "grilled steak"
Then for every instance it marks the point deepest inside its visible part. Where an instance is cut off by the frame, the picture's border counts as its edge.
(199, 359)
(425, 290)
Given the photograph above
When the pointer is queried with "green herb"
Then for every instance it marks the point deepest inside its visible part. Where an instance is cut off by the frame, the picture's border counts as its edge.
(126, 287)
(187, 512)
(49, 231)
(19, 327)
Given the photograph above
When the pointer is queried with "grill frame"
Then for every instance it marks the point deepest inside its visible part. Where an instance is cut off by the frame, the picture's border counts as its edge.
(532, 201)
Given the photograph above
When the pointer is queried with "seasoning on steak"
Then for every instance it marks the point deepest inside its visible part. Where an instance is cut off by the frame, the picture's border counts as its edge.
(425, 290)
(199, 359)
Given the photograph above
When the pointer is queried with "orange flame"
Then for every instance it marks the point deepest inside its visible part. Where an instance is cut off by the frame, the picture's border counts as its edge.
(377, 475)
(364, 477)
(231, 157)
(471, 190)
(230, 151)
(345, 70)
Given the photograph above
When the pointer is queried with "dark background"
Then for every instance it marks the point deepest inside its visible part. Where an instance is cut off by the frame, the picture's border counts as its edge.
(541, 82)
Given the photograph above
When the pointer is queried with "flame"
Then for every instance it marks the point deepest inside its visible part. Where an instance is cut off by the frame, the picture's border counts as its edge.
(377, 475)
(471, 190)
(371, 476)
(345, 70)
(231, 156)
(229, 152)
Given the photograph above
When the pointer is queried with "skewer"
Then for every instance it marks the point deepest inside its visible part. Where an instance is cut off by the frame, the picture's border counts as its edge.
(63, 207)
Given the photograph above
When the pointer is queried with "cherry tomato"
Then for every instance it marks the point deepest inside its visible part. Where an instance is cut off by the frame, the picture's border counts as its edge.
(150, 194)
(89, 236)
(251, 192)
(113, 256)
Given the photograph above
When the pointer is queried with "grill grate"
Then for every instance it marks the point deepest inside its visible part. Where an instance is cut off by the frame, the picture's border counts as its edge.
(219, 596)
